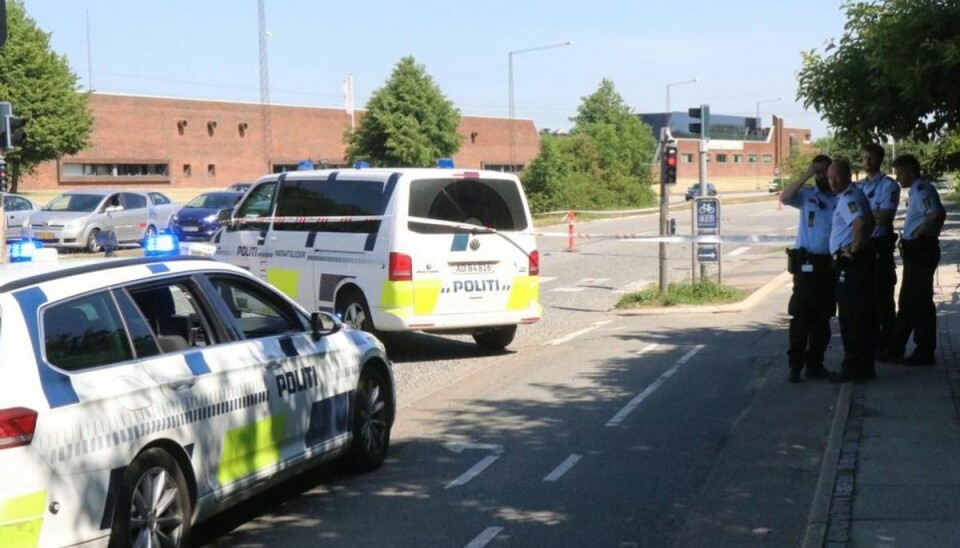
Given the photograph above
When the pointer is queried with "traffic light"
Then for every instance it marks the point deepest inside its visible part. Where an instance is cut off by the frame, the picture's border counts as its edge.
(668, 165)
(701, 128)
(12, 132)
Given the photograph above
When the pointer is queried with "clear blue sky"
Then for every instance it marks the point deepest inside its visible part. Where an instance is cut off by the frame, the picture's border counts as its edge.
(741, 51)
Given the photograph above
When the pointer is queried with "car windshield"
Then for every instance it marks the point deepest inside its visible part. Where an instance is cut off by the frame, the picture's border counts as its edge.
(219, 200)
(74, 202)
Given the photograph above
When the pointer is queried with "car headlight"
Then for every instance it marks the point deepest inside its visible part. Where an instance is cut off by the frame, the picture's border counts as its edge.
(210, 218)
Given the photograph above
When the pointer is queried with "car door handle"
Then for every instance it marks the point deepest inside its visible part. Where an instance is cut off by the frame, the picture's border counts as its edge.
(274, 365)
(183, 385)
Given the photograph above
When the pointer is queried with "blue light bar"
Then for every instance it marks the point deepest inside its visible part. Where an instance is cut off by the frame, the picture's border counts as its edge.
(161, 245)
(22, 251)
(360, 164)
(445, 163)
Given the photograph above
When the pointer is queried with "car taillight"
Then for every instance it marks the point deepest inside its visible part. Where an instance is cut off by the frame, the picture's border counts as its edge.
(401, 267)
(534, 266)
(17, 425)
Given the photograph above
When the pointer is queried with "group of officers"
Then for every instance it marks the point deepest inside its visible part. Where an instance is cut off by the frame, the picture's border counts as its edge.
(843, 265)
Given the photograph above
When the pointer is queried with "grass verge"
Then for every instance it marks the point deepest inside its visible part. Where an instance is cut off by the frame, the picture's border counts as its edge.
(699, 293)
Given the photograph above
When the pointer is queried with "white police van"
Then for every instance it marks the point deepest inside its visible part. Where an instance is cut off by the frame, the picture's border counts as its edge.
(437, 250)
(142, 395)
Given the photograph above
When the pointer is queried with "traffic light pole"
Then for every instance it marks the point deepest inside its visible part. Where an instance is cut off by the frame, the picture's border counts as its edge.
(664, 214)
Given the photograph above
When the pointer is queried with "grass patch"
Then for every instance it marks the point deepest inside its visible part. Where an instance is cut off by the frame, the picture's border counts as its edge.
(702, 292)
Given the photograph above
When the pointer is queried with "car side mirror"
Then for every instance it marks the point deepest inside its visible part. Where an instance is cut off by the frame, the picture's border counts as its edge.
(225, 216)
(323, 324)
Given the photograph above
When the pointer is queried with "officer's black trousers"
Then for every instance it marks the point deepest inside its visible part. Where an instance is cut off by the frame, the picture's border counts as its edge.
(918, 313)
(884, 286)
(857, 313)
(812, 304)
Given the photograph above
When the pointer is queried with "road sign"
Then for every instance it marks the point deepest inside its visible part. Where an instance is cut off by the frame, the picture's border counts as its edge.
(707, 215)
(708, 253)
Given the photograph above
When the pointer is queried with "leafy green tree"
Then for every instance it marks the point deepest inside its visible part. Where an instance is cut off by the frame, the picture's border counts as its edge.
(408, 122)
(43, 90)
(893, 72)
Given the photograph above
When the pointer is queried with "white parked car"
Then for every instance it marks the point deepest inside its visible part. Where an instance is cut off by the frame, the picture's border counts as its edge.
(17, 210)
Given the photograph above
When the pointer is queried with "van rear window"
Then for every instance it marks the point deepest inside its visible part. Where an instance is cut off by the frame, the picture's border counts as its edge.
(325, 198)
(493, 203)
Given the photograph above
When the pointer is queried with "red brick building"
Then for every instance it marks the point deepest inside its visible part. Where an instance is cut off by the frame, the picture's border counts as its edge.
(156, 142)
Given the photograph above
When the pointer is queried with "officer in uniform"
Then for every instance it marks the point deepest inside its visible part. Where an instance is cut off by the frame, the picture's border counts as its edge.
(883, 193)
(920, 250)
(850, 232)
(813, 301)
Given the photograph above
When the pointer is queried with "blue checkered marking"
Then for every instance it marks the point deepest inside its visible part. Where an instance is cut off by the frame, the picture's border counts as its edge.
(57, 386)
(158, 268)
(328, 419)
(197, 363)
(460, 242)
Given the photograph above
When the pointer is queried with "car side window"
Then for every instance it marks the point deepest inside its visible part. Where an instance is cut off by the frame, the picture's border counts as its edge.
(258, 203)
(133, 201)
(159, 199)
(18, 204)
(85, 333)
(258, 312)
(174, 314)
(112, 201)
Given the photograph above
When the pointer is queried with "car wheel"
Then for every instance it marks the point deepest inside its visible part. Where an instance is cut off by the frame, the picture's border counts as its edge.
(496, 338)
(153, 505)
(371, 421)
(149, 233)
(353, 310)
(93, 244)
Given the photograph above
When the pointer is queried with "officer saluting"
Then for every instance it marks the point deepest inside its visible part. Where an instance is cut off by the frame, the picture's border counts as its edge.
(920, 249)
(850, 232)
(813, 301)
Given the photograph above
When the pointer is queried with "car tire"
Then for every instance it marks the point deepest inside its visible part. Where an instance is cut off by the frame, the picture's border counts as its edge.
(93, 245)
(371, 421)
(353, 310)
(136, 508)
(150, 232)
(496, 338)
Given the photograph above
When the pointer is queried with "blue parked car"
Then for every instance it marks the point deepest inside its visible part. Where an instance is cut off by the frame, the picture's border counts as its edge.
(198, 219)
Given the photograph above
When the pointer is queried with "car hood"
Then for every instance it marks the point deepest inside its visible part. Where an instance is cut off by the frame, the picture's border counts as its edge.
(56, 217)
(195, 213)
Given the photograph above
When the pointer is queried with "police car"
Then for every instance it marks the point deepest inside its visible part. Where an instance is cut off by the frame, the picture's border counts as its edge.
(142, 395)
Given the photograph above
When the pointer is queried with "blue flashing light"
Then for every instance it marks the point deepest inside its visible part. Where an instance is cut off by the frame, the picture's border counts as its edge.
(304, 165)
(445, 163)
(360, 164)
(161, 245)
(22, 251)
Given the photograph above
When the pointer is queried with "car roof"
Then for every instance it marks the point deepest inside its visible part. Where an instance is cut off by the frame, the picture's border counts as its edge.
(424, 172)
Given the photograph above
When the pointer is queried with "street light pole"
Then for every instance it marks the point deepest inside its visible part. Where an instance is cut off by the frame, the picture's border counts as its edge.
(665, 198)
(760, 126)
(510, 109)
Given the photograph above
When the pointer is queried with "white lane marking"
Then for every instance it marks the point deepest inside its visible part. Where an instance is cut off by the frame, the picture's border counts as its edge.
(792, 228)
(738, 251)
(458, 447)
(648, 348)
(547, 279)
(622, 414)
(576, 334)
(474, 471)
(484, 538)
(568, 289)
(632, 287)
(564, 467)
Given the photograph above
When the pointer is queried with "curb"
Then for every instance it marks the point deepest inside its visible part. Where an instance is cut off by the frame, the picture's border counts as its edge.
(752, 300)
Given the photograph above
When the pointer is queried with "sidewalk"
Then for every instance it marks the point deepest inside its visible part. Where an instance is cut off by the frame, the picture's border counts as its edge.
(891, 471)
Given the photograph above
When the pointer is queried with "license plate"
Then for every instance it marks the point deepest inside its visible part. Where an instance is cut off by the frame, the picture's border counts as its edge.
(191, 229)
(473, 268)
(46, 236)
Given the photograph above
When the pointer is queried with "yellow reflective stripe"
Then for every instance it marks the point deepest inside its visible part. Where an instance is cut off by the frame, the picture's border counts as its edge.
(21, 519)
(251, 448)
(525, 289)
(285, 280)
(396, 294)
(425, 295)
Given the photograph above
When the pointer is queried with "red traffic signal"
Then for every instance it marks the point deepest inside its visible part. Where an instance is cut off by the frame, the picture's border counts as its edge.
(668, 169)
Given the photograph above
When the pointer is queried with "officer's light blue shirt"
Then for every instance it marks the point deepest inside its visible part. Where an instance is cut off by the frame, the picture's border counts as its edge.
(922, 199)
(850, 204)
(883, 193)
(816, 215)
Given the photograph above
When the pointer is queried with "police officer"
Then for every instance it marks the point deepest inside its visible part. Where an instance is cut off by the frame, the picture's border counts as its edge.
(813, 301)
(850, 231)
(884, 196)
(920, 250)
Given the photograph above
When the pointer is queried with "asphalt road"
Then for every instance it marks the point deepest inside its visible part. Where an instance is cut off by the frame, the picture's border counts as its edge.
(594, 429)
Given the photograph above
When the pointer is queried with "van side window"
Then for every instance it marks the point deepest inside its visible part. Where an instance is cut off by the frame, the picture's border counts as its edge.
(337, 198)
(257, 203)
(493, 203)
(85, 333)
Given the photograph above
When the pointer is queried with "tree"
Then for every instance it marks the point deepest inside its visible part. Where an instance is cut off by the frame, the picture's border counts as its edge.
(43, 90)
(893, 72)
(408, 122)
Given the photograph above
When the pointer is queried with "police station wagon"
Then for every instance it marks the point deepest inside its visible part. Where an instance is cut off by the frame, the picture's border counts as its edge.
(436, 250)
(142, 395)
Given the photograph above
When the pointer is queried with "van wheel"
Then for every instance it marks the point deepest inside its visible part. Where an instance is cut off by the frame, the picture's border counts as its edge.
(153, 505)
(93, 244)
(371, 421)
(495, 338)
(353, 310)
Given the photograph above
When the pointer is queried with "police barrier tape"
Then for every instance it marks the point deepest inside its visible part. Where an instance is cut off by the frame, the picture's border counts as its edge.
(703, 238)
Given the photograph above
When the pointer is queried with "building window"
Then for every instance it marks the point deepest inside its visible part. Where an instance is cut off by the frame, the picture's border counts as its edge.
(721, 158)
(751, 158)
(187, 171)
(505, 168)
(114, 170)
(686, 158)
(211, 169)
(767, 158)
(738, 158)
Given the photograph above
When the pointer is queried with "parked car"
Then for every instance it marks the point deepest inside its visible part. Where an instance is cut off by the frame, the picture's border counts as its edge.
(143, 395)
(77, 218)
(239, 187)
(694, 191)
(18, 209)
(776, 185)
(198, 219)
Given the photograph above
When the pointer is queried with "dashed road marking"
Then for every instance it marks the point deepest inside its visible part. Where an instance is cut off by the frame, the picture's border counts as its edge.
(576, 334)
(563, 468)
(547, 279)
(647, 348)
(568, 289)
(622, 414)
(485, 537)
(474, 471)
(738, 251)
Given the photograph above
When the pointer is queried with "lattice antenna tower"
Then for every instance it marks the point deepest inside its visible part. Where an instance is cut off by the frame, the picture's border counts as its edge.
(264, 89)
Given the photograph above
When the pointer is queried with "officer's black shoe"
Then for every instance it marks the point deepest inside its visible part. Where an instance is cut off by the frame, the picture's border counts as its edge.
(919, 360)
(794, 376)
(817, 373)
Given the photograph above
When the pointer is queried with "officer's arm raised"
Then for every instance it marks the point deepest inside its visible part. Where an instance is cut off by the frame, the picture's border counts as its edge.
(790, 191)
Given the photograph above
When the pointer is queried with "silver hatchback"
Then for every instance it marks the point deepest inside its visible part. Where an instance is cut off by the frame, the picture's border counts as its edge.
(76, 219)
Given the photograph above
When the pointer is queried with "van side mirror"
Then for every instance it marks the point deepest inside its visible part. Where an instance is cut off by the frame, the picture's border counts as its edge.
(224, 216)
(323, 324)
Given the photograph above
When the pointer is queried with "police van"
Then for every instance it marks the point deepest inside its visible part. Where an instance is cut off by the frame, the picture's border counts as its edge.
(436, 250)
